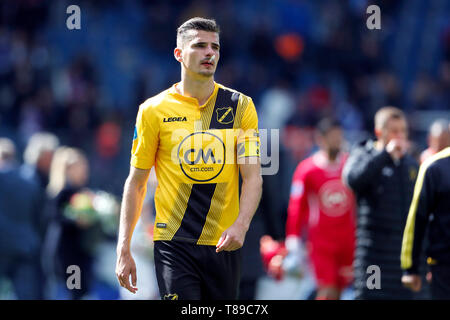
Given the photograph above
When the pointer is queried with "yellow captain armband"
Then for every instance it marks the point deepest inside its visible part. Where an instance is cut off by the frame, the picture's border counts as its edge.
(248, 148)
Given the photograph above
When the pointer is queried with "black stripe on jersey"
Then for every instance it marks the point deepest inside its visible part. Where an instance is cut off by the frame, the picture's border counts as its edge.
(222, 117)
(197, 209)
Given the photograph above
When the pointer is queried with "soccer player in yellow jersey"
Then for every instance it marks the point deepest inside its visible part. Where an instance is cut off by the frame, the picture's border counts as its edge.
(199, 135)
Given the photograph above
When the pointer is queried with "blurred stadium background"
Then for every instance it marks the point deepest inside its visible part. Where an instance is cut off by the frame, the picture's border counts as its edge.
(300, 60)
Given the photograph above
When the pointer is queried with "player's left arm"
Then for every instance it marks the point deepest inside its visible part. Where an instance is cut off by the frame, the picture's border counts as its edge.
(233, 237)
(248, 159)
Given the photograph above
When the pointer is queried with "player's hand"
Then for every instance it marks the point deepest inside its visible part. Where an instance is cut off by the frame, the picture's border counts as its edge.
(232, 238)
(412, 281)
(397, 148)
(275, 267)
(125, 267)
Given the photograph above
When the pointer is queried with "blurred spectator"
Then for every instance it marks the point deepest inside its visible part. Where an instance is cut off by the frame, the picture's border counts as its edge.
(276, 106)
(20, 205)
(69, 174)
(382, 176)
(438, 138)
(36, 169)
(38, 157)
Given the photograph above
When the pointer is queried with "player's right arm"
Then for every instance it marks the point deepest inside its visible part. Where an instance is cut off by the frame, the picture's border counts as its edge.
(143, 153)
(298, 210)
(361, 167)
(133, 198)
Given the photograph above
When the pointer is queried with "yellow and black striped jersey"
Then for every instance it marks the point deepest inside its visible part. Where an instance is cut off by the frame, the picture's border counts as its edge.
(430, 207)
(195, 150)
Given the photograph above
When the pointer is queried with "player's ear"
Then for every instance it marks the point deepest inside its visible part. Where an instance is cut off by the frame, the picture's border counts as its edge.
(177, 54)
(378, 133)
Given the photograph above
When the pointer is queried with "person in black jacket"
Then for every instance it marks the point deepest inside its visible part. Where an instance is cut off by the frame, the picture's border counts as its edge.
(20, 205)
(37, 158)
(430, 208)
(382, 176)
(66, 237)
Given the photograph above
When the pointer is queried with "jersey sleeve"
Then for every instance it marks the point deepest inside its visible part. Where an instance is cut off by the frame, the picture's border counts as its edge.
(419, 211)
(248, 143)
(298, 210)
(145, 139)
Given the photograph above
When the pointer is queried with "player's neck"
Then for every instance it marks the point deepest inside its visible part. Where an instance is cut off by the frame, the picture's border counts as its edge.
(198, 89)
(323, 161)
(330, 157)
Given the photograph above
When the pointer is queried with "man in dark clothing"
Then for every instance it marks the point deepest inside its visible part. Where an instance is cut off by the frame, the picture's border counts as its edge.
(38, 157)
(430, 208)
(382, 176)
(19, 237)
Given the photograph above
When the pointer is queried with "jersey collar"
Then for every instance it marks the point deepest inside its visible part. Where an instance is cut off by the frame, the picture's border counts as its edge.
(178, 96)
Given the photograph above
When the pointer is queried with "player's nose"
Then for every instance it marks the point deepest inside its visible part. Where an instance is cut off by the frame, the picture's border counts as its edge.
(210, 51)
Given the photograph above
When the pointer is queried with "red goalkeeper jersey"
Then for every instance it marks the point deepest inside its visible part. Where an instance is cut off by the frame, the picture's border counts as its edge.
(320, 203)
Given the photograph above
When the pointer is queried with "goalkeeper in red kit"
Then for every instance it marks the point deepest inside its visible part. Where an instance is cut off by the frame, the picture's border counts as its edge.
(322, 212)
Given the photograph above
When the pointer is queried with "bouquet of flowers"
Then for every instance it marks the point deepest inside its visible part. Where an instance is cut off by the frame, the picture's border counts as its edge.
(107, 208)
(88, 208)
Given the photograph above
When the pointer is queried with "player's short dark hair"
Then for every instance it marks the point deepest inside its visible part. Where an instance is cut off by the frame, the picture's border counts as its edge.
(325, 125)
(196, 23)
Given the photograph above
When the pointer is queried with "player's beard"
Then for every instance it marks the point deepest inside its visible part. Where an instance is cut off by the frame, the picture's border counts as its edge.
(207, 73)
(195, 73)
(333, 153)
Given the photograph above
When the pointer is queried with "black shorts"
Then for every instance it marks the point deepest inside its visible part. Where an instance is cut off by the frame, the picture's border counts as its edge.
(187, 271)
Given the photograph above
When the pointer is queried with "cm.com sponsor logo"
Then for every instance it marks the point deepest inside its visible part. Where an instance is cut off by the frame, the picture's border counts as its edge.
(204, 169)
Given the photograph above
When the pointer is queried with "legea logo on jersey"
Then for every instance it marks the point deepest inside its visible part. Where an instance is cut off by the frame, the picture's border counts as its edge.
(175, 119)
(201, 156)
